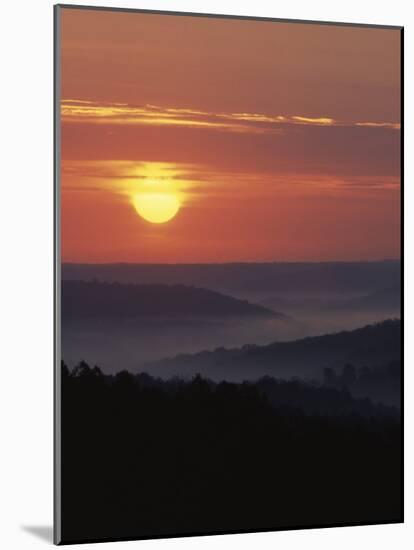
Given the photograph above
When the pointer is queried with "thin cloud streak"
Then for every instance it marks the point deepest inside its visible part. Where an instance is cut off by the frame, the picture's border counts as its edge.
(82, 111)
(196, 181)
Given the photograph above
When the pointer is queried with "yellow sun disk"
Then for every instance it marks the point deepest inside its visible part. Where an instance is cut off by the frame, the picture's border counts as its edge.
(156, 207)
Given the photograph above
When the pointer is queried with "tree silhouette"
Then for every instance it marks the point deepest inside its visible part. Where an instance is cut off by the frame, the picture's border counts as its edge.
(144, 457)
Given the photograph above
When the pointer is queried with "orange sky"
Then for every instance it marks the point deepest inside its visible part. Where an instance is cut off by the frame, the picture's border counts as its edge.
(281, 140)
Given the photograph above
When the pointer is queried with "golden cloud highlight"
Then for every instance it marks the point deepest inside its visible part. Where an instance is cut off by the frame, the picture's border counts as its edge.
(85, 111)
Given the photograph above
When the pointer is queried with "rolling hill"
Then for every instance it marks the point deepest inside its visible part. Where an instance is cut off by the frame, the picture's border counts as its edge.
(249, 279)
(371, 345)
(98, 300)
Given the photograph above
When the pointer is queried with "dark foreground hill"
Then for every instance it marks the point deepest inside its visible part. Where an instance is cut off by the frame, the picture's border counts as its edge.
(98, 300)
(149, 460)
(371, 345)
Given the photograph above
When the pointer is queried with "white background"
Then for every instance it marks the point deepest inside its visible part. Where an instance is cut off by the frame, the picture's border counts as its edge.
(26, 236)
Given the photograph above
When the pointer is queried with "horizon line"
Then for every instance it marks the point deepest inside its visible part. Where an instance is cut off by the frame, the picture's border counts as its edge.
(237, 262)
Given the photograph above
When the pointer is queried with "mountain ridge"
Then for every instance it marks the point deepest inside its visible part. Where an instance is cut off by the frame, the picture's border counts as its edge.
(94, 299)
(369, 345)
(249, 278)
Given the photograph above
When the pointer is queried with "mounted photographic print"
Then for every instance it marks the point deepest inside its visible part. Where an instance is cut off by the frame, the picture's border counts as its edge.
(228, 274)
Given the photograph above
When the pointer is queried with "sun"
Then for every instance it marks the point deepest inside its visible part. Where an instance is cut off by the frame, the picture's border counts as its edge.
(156, 207)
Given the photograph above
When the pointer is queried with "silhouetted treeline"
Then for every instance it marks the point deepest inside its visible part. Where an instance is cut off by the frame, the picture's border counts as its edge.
(381, 383)
(142, 457)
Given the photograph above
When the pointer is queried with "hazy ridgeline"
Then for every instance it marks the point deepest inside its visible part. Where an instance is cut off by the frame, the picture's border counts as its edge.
(126, 325)
(154, 458)
(127, 315)
(366, 361)
(252, 279)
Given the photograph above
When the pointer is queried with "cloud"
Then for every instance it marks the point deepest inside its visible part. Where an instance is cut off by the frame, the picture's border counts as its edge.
(301, 149)
(121, 114)
(192, 182)
(323, 121)
(392, 125)
(90, 112)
